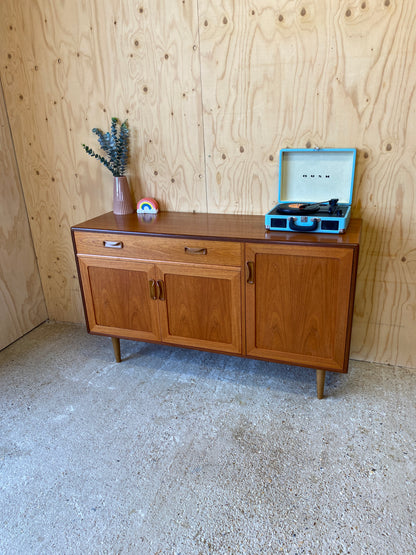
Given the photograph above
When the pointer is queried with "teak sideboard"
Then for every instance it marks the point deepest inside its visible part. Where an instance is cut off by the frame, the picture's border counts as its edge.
(223, 283)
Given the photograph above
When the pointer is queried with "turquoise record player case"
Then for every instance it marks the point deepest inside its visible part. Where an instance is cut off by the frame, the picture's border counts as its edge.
(315, 190)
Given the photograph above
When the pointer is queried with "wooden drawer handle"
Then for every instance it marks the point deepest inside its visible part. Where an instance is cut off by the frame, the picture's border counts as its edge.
(113, 244)
(195, 250)
(250, 269)
(152, 289)
(161, 289)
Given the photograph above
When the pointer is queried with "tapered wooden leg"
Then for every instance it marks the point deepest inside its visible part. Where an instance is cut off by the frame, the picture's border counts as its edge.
(116, 347)
(320, 383)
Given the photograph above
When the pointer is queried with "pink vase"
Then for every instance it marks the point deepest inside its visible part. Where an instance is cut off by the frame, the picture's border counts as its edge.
(122, 201)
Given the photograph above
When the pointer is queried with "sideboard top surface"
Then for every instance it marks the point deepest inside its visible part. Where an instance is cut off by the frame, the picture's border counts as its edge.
(230, 227)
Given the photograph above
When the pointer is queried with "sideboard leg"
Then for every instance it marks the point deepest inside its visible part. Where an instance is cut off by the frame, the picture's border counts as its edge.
(116, 347)
(320, 383)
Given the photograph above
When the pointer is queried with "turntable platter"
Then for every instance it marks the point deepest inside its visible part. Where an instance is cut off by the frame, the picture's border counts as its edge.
(297, 208)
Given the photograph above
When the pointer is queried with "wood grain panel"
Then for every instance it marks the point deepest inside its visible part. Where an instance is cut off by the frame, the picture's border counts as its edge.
(322, 73)
(22, 305)
(232, 227)
(299, 292)
(117, 298)
(211, 295)
(166, 68)
(68, 67)
(190, 251)
(202, 306)
(229, 83)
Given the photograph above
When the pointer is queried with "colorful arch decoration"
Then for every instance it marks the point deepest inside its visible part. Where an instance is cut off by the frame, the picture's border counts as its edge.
(147, 206)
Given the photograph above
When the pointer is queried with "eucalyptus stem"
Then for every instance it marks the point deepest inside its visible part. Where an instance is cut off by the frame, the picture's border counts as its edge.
(115, 144)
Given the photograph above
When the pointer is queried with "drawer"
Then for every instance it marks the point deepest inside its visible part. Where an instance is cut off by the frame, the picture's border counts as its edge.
(223, 253)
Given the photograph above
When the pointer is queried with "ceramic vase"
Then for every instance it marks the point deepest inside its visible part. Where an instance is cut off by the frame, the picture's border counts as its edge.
(122, 201)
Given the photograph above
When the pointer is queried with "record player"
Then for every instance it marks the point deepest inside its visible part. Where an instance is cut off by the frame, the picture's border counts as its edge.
(315, 190)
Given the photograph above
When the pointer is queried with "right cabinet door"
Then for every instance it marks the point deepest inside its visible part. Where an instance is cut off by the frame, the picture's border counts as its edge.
(298, 303)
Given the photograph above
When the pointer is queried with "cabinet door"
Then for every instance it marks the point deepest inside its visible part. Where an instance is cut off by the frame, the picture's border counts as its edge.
(298, 304)
(200, 306)
(119, 299)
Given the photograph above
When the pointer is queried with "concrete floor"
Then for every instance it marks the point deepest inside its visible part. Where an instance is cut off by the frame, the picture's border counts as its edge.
(181, 452)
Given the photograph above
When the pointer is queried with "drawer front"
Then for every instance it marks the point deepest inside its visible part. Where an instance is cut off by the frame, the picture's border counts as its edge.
(224, 253)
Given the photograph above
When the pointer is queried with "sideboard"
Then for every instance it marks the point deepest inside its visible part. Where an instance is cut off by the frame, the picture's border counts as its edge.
(223, 283)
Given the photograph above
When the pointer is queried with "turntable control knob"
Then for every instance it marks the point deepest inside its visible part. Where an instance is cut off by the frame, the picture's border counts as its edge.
(339, 212)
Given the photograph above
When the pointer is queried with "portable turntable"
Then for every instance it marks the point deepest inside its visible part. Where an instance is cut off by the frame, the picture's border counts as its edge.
(315, 190)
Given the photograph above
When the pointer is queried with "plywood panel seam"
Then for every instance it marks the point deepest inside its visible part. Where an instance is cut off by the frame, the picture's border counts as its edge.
(202, 107)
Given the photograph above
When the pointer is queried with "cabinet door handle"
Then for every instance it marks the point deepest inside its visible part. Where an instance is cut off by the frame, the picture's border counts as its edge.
(161, 289)
(152, 289)
(195, 250)
(250, 277)
(113, 244)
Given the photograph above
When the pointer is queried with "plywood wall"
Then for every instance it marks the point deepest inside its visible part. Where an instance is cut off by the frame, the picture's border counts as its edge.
(22, 305)
(212, 90)
(68, 67)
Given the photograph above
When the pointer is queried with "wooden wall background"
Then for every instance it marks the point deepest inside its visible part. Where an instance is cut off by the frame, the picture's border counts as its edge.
(212, 89)
(22, 304)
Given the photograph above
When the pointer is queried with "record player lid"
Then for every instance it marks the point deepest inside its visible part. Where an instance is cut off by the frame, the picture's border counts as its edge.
(315, 175)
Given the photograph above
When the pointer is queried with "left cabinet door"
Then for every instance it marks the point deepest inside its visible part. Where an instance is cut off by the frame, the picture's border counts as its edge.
(120, 297)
